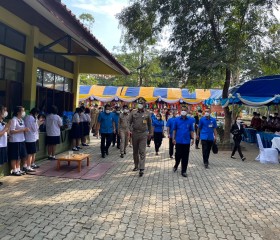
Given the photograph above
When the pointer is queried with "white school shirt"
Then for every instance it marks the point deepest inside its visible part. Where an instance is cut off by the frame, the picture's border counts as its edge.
(32, 124)
(88, 117)
(53, 124)
(83, 117)
(4, 138)
(76, 118)
(17, 124)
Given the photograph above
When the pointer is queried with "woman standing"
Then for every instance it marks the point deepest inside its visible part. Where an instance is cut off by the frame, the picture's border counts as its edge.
(158, 125)
(87, 126)
(237, 130)
(75, 130)
(31, 138)
(4, 128)
(16, 146)
(53, 124)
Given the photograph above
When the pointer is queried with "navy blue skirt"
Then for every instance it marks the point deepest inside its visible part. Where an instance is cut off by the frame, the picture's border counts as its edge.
(75, 131)
(3, 155)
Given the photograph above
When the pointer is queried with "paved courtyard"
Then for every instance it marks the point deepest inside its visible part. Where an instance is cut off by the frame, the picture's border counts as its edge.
(230, 200)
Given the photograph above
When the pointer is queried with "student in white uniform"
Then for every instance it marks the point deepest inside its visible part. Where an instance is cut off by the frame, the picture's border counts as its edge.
(83, 126)
(16, 145)
(4, 128)
(53, 124)
(75, 130)
(87, 126)
(31, 138)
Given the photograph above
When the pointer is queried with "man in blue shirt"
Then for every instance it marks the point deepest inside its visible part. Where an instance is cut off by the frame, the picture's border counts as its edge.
(183, 138)
(106, 126)
(170, 127)
(208, 134)
(116, 136)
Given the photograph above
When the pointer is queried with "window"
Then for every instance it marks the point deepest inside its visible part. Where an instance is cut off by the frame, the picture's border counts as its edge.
(48, 80)
(12, 38)
(68, 85)
(1, 67)
(59, 83)
(15, 40)
(13, 70)
(39, 81)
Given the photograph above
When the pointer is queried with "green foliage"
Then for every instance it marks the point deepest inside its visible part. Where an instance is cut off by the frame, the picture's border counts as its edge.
(87, 19)
(87, 79)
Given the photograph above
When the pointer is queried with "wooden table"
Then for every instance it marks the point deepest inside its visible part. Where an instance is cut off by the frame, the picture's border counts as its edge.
(74, 157)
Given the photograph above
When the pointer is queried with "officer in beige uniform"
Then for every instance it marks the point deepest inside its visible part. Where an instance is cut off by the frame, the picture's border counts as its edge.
(123, 129)
(140, 122)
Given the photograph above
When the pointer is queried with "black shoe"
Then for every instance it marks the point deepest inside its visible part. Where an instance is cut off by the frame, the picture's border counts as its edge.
(135, 169)
(16, 174)
(206, 165)
(34, 166)
(74, 149)
(148, 145)
(78, 147)
(184, 174)
(171, 156)
(107, 153)
(103, 155)
(232, 157)
(196, 147)
(157, 153)
(174, 169)
(113, 145)
(243, 159)
(141, 173)
(124, 152)
(118, 147)
(1, 183)
(121, 155)
(85, 145)
(50, 158)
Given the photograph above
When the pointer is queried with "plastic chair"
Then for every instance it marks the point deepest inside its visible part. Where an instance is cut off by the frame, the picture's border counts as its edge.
(266, 155)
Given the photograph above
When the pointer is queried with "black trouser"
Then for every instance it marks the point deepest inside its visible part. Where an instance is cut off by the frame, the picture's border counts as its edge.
(206, 149)
(197, 140)
(182, 154)
(106, 139)
(116, 138)
(237, 147)
(157, 140)
(171, 147)
(149, 141)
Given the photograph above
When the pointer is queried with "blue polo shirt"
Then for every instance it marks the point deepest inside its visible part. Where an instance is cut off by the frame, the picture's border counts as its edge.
(116, 119)
(106, 122)
(158, 125)
(183, 128)
(207, 127)
(170, 124)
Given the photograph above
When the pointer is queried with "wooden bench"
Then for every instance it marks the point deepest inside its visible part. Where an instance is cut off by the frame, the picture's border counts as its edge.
(74, 157)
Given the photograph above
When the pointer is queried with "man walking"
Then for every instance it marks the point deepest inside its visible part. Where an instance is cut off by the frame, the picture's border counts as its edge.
(123, 130)
(106, 125)
(140, 121)
(197, 117)
(116, 136)
(170, 127)
(208, 134)
(183, 134)
(93, 119)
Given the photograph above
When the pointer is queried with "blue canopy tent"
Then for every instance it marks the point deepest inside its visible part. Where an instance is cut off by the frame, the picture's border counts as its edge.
(256, 92)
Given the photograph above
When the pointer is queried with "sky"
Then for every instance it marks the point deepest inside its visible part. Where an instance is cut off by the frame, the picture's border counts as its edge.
(105, 28)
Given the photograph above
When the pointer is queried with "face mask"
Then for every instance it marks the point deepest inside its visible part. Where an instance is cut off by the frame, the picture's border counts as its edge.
(158, 118)
(188, 115)
(126, 110)
(107, 111)
(183, 113)
(207, 114)
(140, 106)
(5, 114)
(117, 111)
(23, 114)
(238, 121)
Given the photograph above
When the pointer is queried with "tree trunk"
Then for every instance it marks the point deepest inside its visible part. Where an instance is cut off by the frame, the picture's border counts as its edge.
(226, 139)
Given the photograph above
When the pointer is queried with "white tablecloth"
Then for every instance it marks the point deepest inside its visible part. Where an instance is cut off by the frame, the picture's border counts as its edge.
(276, 143)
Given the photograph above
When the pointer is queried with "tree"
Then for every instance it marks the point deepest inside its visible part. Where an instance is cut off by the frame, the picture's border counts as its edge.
(88, 79)
(210, 38)
(87, 19)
